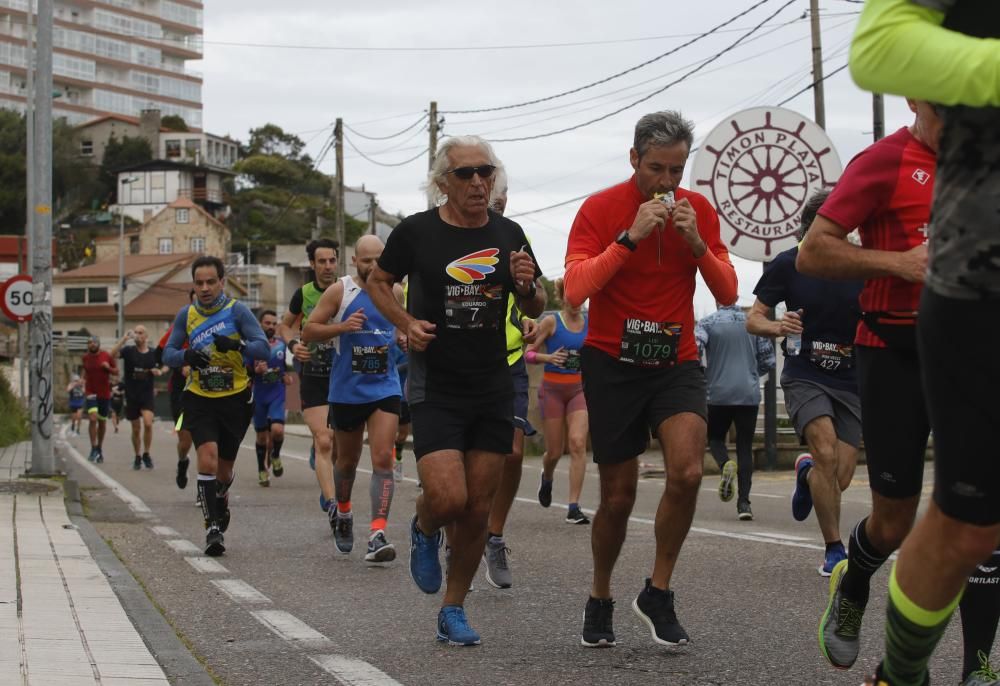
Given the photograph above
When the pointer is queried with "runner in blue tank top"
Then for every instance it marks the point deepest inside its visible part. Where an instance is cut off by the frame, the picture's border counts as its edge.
(560, 397)
(364, 392)
(269, 381)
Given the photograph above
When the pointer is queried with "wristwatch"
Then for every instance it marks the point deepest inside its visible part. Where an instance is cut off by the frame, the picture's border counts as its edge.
(532, 289)
(623, 239)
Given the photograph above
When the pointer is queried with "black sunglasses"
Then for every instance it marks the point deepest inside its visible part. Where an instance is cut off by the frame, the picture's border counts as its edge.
(485, 171)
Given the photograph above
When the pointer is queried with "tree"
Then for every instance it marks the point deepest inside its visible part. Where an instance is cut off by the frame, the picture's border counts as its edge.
(118, 155)
(174, 122)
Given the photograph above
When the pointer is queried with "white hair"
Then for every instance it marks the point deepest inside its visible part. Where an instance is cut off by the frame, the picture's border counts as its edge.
(499, 184)
(442, 163)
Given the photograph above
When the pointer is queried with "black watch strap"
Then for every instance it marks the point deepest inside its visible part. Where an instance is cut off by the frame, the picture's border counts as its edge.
(623, 239)
(532, 290)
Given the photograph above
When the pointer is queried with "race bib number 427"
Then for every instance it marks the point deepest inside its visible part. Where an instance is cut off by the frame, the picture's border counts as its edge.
(650, 344)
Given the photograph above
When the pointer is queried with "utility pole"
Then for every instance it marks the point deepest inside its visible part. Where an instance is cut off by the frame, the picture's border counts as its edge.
(372, 212)
(42, 458)
(432, 144)
(878, 116)
(29, 229)
(316, 227)
(338, 133)
(817, 55)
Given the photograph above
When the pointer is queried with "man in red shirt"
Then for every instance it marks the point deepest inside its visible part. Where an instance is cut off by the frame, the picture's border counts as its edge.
(635, 255)
(887, 191)
(98, 367)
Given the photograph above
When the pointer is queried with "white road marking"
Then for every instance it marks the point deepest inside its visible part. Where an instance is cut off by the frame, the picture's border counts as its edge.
(164, 531)
(351, 672)
(184, 547)
(780, 537)
(206, 565)
(240, 591)
(290, 628)
(133, 501)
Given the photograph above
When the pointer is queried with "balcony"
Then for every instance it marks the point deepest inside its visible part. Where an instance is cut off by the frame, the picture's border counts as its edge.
(201, 195)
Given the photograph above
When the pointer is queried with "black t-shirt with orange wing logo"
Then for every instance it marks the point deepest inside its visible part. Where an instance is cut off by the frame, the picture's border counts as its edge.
(459, 280)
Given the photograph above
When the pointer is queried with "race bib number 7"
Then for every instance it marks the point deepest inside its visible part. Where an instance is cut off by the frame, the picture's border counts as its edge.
(474, 306)
(650, 344)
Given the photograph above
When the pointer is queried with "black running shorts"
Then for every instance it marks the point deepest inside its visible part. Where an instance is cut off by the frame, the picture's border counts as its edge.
(313, 390)
(404, 413)
(627, 403)
(895, 420)
(177, 402)
(135, 404)
(351, 417)
(956, 339)
(223, 421)
(463, 426)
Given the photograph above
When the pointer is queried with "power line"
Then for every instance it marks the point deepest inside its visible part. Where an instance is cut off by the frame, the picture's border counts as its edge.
(384, 164)
(811, 85)
(385, 138)
(643, 99)
(619, 74)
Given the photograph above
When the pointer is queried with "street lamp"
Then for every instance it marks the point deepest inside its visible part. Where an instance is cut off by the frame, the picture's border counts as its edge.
(121, 255)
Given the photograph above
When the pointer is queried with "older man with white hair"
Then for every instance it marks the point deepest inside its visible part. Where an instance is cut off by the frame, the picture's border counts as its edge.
(463, 262)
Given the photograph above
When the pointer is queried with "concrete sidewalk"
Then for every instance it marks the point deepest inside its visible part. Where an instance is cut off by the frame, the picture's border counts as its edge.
(60, 620)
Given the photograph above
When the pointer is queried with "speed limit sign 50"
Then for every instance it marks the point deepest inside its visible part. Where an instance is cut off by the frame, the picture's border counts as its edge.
(16, 298)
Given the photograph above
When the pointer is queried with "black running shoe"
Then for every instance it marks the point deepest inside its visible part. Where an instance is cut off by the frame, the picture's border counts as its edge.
(214, 542)
(598, 631)
(182, 473)
(656, 609)
(544, 490)
(147, 460)
(137, 463)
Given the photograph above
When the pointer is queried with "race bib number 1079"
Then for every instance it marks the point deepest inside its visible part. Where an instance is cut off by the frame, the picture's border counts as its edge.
(650, 344)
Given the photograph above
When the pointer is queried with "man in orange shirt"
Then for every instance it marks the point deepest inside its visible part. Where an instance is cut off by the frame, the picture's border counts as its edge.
(634, 251)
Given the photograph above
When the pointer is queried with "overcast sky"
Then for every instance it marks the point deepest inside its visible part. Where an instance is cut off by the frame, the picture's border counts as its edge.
(469, 55)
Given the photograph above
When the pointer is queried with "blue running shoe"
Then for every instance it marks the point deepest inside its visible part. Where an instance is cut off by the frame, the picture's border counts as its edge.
(312, 458)
(324, 504)
(425, 567)
(93, 455)
(454, 628)
(802, 500)
(831, 559)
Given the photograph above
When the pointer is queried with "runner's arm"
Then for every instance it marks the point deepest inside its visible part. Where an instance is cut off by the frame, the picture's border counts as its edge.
(759, 321)
(714, 264)
(116, 351)
(825, 253)
(253, 336)
(586, 276)
(173, 353)
(382, 292)
(546, 327)
(318, 327)
(900, 47)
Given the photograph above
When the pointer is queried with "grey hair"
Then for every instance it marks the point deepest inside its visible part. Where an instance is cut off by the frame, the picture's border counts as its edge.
(441, 164)
(499, 184)
(810, 209)
(665, 128)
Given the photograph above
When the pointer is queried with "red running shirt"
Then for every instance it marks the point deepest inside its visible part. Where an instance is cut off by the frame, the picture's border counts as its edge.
(98, 378)
(886, 191)
(653, 285)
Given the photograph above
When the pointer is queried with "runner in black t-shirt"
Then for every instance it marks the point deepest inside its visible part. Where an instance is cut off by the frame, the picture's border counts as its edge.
(462, 261)
(140, 370)
(819, 381)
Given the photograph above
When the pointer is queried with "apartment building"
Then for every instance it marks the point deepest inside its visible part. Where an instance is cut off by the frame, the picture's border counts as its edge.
(110, 57)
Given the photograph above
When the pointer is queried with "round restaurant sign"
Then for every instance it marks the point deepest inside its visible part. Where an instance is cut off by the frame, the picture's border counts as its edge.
(759, 167)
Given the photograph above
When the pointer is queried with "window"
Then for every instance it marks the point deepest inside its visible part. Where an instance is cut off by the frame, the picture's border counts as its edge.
(97, 295)
(166, 246)
(76, 296)
(198, 244)
(87, 148)
(192, 148)
(181, 216)
(173, 148)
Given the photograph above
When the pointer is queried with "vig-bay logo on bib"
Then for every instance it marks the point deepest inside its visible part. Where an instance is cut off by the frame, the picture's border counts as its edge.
(474, 266)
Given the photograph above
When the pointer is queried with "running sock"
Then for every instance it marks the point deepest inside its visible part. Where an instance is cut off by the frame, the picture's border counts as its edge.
(208, 489)
(380, 490)
(261, 456)
(979, 609)
(911, 634)
(490, 535)
(343, 486)
(344, 508)
(276, 447)
(833, 545)
(863, 561)
(399, 451)
(574, 506)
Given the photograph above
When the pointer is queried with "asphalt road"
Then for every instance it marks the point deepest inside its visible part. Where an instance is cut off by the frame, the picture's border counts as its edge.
(286, 608)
